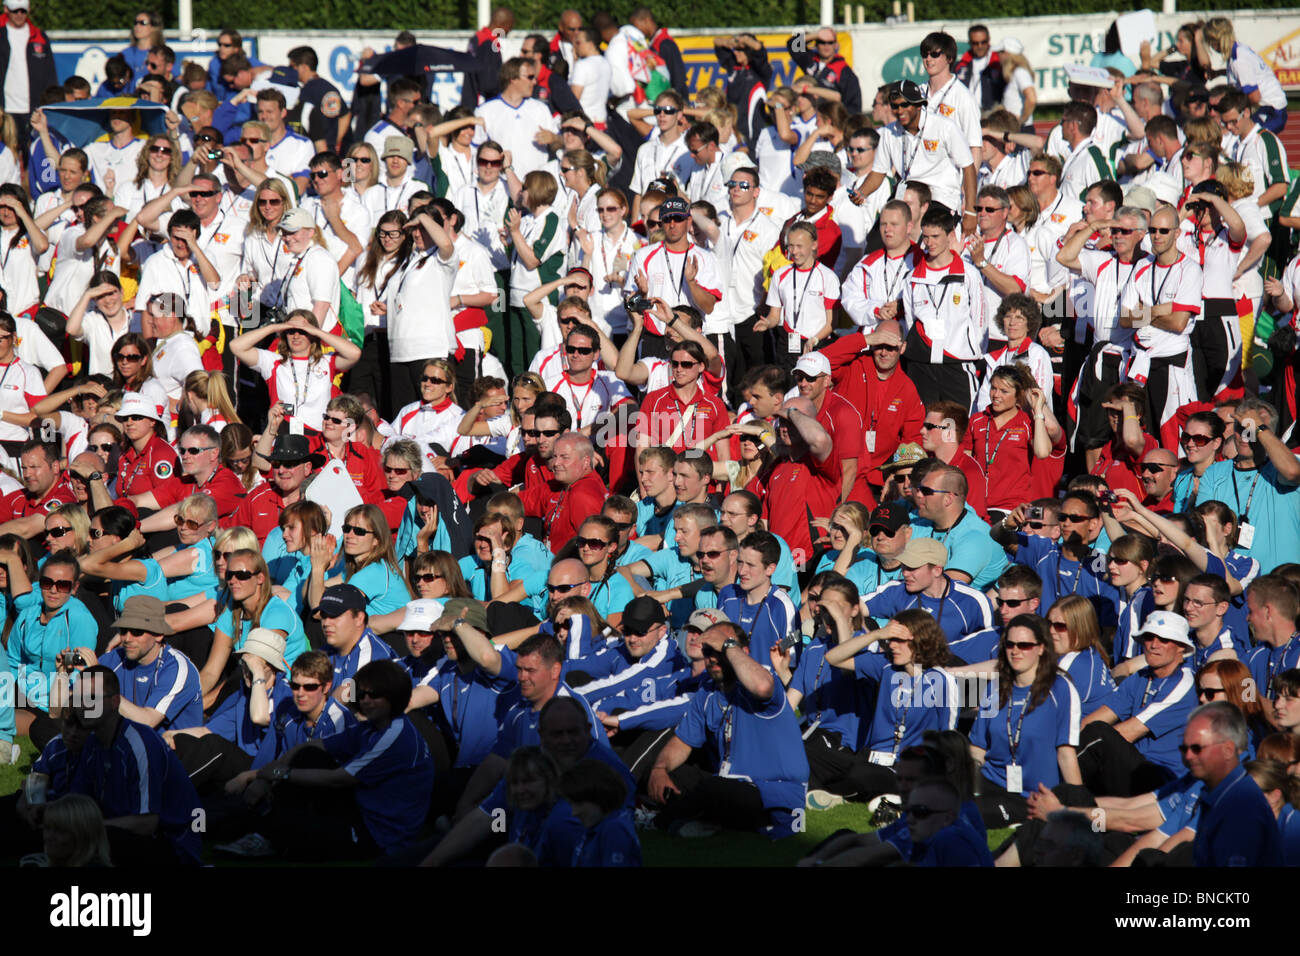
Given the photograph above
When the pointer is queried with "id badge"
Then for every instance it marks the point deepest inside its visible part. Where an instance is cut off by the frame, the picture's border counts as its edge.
(881, 759)
(1015, 778)
(724, 769)
(1245, 535)
(871, 441)
(794, 343)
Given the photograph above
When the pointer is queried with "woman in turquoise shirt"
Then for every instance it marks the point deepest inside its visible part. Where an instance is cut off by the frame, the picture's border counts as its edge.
(42, 633)
(250, 604)
(368, 562)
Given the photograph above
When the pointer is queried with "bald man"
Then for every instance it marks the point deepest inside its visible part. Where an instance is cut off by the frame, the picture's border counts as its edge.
(1159, 468)
(584, 492)
(568, 578)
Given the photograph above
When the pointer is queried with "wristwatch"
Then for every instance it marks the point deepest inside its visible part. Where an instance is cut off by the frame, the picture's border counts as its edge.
(730, 643)
(280, 773)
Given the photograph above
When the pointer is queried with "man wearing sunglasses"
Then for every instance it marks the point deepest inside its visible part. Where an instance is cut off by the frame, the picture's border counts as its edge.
(291, 463)
(589, 391)
(1129, 745)
(1071, 566)
(664, 153)
(574, 308)
(1236, 827)
(338, 212)
(818, 55)
(202, 472)
(1158, 469)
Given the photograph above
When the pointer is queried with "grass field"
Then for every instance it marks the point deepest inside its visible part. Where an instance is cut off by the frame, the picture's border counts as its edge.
(658, 849)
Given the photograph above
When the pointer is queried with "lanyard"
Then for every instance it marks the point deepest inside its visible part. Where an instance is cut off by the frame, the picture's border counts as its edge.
(668, 265)
(12, 362)
(900, 725)
(1148, 693)
(1155, 295)
(728, 725)
(797, 298)
(988, 458)
(909, 157)
(300, 397)
(1236, 493)
(891, 285)
(1014, 739)
(578, 405)
(744, 226)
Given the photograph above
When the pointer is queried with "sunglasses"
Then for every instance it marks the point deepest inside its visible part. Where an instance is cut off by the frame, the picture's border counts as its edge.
(62, 587)
(206, 137)
(390, 234)
(652, 223)
(666, 111)
(1073, 518)
(97, 533)
(490, 163)
(196, 450)
(1020, 645)
(674, 217)
(1012, 602)
(592, 542)
(691, 364)
(1195, 749)
(567, 169)
(1122, 230)
(161, 150)
(988, 208)
(1210, 692)
(428, 577)
(396, 471)
(609, 209)
(738, 184)
(1161, 230)
(930, 426)
(1197, 441)
(57, 532)
(1120, 562)
(250, 141)
(333, 420)
(291, 464)
(239, 575)
(1154, 467)
(560, 588)
(309, 688)
(1060, 627)
(541, 432)
(271, 201)
(144, 22)
(861, 149)
(621, 526)
(799, 376)
(578, 350)
(927, 492)
(1037, 525)
(369, 694)
(189, 524)
(434, 380)
(321, 173)
(223, 555)
(712, 555)
(105, 448)
(354, 529)
(205, 193)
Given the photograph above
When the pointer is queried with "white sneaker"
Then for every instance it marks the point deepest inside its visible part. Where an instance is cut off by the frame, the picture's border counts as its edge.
(644, 818)
(9, 754)
(249, 845)
(823, 800)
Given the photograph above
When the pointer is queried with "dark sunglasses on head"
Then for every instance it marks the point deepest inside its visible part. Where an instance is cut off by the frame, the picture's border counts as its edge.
(49, 584)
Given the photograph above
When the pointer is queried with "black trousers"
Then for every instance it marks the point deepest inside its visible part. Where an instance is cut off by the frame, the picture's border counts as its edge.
(956, 381)
(1211, 348)
(314, 824)
(372, 373)
(210, 760)
(749, 354)
(653, 346)
(731, 803)
(1158, 386)
(839, 770)
(1097, 374)
(998, 807)
(1026, 836)
(1112, 767)
(639, 748)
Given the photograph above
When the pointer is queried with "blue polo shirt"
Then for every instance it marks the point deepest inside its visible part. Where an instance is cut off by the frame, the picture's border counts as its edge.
(384, 588)
(469, 709)
(611, 595)
(202, 580)
(1266, 662)
(170, 685)
(369, 648)
(1163, 705)
(643, 677)
(767, 622)
(959, 845)
(754, 740)
(139, 774)
(518, 726)
(906, 706)
(865, 571)
(278, 616)
(1179, 802)
(1262, 499)
(394, 775)
(1225, 640)
(232, 720)
(1090, 675)
(970, 547)
(478, 575)
(289, 728)
(1029, 737)
(833, 699)
(963, 612)
(1130, 613)
(1237, 826)
(1184, 500)
(665, 712)
(1061, 576)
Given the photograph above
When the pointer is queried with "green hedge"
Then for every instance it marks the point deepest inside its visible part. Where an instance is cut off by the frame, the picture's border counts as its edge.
(543, 14)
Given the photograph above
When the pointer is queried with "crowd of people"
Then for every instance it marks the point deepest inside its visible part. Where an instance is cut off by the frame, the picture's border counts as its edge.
(605, 455)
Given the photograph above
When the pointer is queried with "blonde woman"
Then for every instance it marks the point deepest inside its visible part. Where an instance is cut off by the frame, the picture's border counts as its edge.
(361, 169)
(156, 169)
(208, 399)
(368, 562)
(606, 253)
(585, 178)
(1021, 95)
(263, 251)
(309, 273)
(67, 527)
(1247, 70)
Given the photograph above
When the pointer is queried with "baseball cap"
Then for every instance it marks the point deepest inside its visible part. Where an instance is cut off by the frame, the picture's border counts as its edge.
(705, 618)
(891, 516)
(15, 4)
(340, 598)
(420, 615)
(1140, 197)
(641, 614)
(921, 551)
(674, 206)
(398, 146)
(133, 403)
(734, 163)
(813, 364)
(1011, 45)
(908, 92)
(268, 645)
(905, 456)
(296, 219)
(824, 158)
(1167, 624)
(1210, 186)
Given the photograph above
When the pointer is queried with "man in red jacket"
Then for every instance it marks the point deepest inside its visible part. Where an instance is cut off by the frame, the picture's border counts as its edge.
(582, 492)
(812, 376)
(866, 372)
(806, 484)
(291, 462)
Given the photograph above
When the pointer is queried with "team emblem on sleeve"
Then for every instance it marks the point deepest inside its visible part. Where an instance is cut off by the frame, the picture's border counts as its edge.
(331, 105)
(162, 470)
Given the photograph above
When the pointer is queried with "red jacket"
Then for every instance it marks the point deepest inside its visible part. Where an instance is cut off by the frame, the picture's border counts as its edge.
(260, 510)
(576, 503)
(363, 465)
(224, 487)
(796, 490)
(19, 504)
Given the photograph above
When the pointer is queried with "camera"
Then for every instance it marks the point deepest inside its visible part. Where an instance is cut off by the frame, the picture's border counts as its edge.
(77, 660)
(1108, 497)
(217, 154)
(288, 409)
(637, 302)
(1035, 513)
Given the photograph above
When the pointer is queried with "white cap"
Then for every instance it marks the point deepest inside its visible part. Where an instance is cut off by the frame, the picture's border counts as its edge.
(735, 162)
(1011, 45)
(420, 615)
(1089, 76)
(16, 4)
(133, 403)
(1166, 624)
(813, 364)
(1164, 187)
